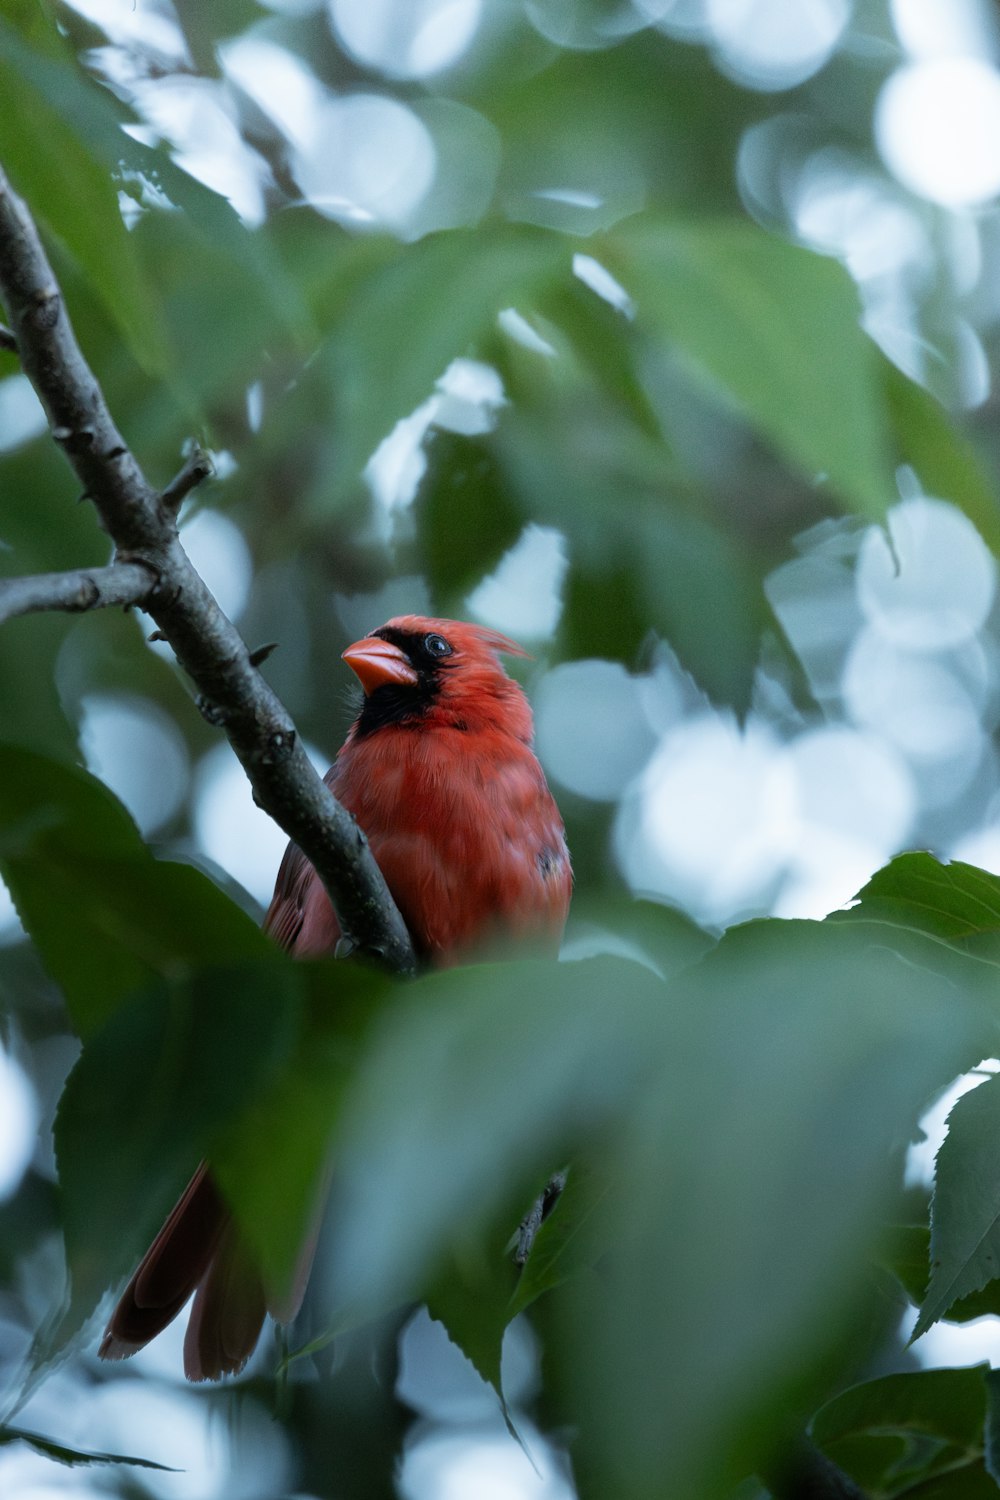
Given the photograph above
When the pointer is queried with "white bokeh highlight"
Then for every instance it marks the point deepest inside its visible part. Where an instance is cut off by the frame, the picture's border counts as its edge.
(523, 595)
(711, 821)
(136, 750)
(18, 1123)
(855, 807)
(231, 829)
(929, 584)
(466, 399)
(915, 702)
(770, 44)
(600, 280)
(218, 551)
(937, 126)
(22, 416)
(449, 1465)
(591, 728)
(365, 159)
(406, 38)
(276, 80)
(928, 28)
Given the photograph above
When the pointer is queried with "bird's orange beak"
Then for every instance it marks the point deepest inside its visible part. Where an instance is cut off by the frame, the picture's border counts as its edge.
(375, 662)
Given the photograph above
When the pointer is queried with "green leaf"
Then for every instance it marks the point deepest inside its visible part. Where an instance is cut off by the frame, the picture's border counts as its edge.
(672, 569)
(472, 1298)
(70, 188)
(896, 1435)
(566, 1242)
(955, 904)
(479, 1291)
(272, 1157)
(943, 460)
(527, 1056)
(775, 329)
(444, 294)
(105, 915)
(74, 1457)
(753, 1167)
(965, 1209)
(992, 1430)
(906, 1252)
(150, 1090)
(467, 518)
(945, 917)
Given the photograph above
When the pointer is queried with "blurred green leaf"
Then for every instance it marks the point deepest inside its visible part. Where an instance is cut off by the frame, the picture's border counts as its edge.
(151, 1087)
(416, 314)
(205, 241)
(105, 915)
(775, 329)
(992, 1433)
(754, 1166)
(74, 1457)
(271, 1159)
(564, 1244)
(671, 569)
(467, 518)
(70, 187)
(944, 462)
(965, 1209)
(646, 929)
(898, 1435)
(529, 1056)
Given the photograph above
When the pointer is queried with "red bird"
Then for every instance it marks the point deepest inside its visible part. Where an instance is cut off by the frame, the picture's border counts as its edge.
(439, 771)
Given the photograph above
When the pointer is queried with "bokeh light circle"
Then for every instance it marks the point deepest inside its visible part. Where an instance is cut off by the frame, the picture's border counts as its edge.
(929, 585)
(231, 829)
(937, 126)
(770, 44)
(853, 784)
(137, 750)
(18, 1123)
(592, 732)
(915, 701)
(712, 820)
(218, 551)
(406, 38)
(369, 160)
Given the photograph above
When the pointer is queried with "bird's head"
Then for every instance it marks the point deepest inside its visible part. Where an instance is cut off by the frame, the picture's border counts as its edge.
(420, 671)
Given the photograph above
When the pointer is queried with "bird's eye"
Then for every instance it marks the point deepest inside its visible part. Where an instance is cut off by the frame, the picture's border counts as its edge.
(436, 645)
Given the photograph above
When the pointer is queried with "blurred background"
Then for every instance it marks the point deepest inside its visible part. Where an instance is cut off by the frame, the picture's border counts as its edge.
(392, 262)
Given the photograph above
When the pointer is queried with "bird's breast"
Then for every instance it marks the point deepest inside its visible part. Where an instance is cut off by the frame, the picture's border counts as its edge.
(466, 833)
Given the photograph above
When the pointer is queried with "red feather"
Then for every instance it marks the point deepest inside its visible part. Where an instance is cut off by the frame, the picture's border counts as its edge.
(439, 771)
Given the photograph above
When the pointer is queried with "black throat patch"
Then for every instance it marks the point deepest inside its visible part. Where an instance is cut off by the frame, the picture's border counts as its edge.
(394, 703)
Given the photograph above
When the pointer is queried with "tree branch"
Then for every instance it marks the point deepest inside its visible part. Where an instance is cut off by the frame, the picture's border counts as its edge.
(86, 588)
(208, 646)
(197, 468)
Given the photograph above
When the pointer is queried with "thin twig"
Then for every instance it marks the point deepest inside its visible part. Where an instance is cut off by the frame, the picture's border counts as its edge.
(533, 1220)
(206, 643)
(198, 467)
(87, 588)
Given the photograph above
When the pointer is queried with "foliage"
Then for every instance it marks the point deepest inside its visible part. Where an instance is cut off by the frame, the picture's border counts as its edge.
(733, 1108)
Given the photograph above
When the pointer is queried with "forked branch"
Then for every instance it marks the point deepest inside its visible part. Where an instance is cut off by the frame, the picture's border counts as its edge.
(142, 523)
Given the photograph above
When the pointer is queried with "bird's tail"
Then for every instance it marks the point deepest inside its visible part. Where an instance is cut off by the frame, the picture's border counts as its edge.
(198, 1250)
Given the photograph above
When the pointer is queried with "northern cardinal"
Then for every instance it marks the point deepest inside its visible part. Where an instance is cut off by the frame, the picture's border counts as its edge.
(439, 771)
